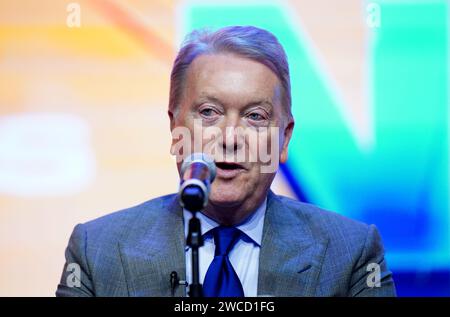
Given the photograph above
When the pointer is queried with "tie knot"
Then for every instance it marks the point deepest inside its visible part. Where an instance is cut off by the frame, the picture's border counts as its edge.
(225, 238)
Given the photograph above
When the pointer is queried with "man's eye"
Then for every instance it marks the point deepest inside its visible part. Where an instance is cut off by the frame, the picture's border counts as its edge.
(207, 112)
(255, 116)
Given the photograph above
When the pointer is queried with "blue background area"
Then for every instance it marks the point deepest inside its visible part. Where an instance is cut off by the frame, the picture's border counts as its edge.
(400, 183)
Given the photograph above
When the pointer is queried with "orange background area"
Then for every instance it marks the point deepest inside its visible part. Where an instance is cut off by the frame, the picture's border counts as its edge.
(112, 76)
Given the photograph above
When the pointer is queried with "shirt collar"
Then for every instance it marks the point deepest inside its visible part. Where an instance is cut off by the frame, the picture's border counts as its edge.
(252, 226)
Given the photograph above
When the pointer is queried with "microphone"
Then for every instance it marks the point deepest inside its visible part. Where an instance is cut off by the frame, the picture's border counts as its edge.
(175, 282)
(197, 173)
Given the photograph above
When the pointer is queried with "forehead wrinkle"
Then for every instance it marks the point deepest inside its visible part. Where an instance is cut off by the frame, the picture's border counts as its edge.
(205, 97)
(231, 64)
(246, 98)
(214, 77)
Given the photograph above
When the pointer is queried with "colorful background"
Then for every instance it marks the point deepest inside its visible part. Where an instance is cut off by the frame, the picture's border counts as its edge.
(84, 130)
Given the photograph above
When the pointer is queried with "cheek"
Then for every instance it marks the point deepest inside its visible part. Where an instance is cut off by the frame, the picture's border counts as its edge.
(250, 181)
(266, 144)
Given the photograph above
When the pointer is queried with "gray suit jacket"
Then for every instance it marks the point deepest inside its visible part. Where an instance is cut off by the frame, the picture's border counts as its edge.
(305, 251)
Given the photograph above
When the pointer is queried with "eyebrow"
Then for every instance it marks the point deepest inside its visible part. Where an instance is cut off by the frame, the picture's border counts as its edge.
(209, 99)
(259, 103)
(213, 99)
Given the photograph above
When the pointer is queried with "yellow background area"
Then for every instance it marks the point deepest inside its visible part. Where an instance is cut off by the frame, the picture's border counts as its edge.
(111, 75)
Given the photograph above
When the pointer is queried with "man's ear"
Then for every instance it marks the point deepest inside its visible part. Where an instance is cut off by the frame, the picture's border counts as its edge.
(287, 137)
(171, 118)
(172, 126)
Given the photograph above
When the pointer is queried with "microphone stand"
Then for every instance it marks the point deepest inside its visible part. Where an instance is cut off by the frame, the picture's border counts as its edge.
(195, 241)
(197, 173)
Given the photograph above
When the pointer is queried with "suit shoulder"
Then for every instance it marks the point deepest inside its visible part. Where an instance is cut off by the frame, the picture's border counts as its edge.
(325, 221)
(118, 222)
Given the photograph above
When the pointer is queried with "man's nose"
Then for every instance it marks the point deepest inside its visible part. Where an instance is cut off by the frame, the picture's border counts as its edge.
(232, 139)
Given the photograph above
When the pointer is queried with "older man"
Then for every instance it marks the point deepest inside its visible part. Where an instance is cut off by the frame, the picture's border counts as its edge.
(234, 81)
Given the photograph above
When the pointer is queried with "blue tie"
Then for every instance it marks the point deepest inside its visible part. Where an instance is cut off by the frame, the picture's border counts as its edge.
(221, 280)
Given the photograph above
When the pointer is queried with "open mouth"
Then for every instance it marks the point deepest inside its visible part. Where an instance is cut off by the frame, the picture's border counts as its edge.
(229, 166)
(226, 170)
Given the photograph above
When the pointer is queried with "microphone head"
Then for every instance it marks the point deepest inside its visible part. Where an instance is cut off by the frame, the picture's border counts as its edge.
(202, 158)
(197, 173)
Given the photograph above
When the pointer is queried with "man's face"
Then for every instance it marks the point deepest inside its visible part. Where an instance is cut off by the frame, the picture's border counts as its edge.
(231, 94)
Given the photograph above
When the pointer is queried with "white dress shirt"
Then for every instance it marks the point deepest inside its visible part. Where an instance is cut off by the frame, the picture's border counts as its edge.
(244, 257)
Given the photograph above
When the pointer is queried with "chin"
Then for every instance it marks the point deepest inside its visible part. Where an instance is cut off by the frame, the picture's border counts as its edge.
(224, 196)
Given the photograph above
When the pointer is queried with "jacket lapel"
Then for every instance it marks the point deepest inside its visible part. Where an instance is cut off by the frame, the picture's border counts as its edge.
(291, 256)
(153, 250)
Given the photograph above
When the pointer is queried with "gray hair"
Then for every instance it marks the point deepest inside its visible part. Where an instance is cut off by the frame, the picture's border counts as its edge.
(246, 41)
